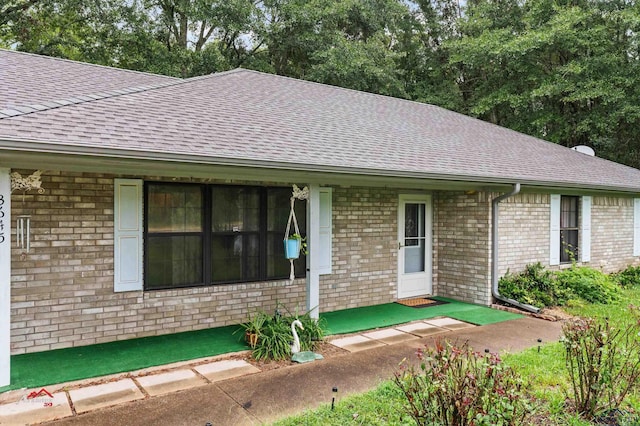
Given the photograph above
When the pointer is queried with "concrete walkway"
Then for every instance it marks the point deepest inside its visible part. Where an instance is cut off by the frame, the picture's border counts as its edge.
(231, 392)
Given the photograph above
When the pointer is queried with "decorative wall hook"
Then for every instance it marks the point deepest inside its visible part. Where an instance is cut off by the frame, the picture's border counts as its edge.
(23, 222)
(300, 194)
(28, 183)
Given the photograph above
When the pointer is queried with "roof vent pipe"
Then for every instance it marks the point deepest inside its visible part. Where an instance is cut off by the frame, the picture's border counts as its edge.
(494, 252)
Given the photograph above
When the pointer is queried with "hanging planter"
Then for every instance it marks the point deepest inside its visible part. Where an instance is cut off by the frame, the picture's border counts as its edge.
(294, 243)
(292, 246)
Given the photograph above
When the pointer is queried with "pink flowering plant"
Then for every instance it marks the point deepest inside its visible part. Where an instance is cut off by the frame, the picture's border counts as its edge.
(456, 386)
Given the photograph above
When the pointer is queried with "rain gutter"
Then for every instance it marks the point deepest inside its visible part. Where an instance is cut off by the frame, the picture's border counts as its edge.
(494, 252)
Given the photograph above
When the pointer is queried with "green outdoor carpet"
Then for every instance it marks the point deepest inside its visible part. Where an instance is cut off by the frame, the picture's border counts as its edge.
(64, 365)
(388, 314)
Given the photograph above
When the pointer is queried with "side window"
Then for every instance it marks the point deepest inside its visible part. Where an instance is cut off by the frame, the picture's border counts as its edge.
(569, 228)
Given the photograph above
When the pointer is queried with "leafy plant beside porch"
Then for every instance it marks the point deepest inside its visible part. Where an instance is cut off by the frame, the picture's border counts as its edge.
(270, 335)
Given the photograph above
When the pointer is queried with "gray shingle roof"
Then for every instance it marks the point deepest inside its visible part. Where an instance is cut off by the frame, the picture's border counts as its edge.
(249, 117)
(30, 80)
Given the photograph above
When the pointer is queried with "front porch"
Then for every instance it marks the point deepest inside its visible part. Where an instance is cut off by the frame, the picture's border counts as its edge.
(34, 370)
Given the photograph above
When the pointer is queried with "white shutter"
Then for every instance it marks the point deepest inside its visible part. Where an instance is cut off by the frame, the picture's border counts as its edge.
(636, 226)
(127, 236)
(554, 235)
(325, 237)
(585, 229)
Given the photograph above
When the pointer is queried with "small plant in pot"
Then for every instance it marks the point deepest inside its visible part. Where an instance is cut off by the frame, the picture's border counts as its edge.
(294, 245)
(253, 327)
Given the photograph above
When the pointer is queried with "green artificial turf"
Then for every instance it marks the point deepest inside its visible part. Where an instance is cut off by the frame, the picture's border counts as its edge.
(64, 365)
(388, 314)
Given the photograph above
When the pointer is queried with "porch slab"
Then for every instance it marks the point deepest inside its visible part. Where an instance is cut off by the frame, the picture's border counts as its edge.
(105, 395)
(160, 384)
(36, 410)
(390, 336)
(356, 343)
(449, 323)
(222, 370)
(422, 329)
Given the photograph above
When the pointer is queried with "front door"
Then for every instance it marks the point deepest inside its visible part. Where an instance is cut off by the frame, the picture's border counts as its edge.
(414, 246)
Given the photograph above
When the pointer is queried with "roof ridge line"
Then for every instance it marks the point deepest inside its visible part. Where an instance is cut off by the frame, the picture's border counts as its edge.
(90, 97)
(81, 99)
(56, 58)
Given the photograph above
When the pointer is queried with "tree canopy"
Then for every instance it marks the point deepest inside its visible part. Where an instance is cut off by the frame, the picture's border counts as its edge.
(563, 70)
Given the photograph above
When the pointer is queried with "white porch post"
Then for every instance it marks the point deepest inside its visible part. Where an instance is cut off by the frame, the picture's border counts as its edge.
(5, 276)
(313, 237)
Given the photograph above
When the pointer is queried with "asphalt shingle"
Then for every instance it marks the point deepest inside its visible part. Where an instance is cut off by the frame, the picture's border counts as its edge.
(264, 119)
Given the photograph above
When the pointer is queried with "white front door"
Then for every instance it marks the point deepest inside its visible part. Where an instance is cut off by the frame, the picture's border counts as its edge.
(414, 246)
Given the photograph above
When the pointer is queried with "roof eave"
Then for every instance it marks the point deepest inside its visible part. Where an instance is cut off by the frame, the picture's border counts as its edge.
(38, 147)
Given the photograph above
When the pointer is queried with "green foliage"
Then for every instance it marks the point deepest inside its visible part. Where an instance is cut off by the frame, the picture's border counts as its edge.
(603, 362)
(275, 337)
(539, 287)
(629, 277)
(456, 386)
(534, 285)
(589, 284)
(274, 340)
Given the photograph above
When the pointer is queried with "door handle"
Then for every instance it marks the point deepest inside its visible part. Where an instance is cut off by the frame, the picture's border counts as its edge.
(400, 245)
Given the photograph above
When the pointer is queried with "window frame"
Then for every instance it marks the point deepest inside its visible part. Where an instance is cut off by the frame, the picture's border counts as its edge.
(208, 234)
(564, 255)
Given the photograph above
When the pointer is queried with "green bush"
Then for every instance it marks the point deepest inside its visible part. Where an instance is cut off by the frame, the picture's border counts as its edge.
(457, 386)
(589, 284)
(275, 336)
(629, 277)
(539, 287)
(535, 286)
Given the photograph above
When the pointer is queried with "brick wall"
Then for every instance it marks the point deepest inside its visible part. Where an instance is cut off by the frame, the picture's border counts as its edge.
(365, 235)
(62, 291)
(462, 246)
(525, 227)
(612, 233)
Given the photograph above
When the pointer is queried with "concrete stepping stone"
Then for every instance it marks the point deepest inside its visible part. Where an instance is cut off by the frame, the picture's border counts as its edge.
(356, 343)
(390, 336)
(105, 395)
(172, 381)
(39, 409)
(422, 329)
(449, 323)
(222, 370)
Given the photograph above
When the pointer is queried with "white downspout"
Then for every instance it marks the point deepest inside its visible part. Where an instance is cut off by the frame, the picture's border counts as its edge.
(494, 252)
(5, 277)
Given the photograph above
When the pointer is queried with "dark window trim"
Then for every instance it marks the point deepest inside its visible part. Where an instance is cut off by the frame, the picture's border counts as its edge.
(207, 234)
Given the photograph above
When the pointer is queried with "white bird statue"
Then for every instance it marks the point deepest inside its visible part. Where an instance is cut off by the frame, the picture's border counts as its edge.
(295, 348)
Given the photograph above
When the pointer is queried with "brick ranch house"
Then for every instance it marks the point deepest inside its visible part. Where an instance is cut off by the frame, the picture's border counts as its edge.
(163, 202)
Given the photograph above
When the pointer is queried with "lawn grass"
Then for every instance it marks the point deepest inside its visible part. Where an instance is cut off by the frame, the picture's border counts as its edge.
(544, 369)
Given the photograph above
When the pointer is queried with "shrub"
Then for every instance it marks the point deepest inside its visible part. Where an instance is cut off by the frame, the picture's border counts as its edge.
(629, 277)
(535, 286)
(589, 284)
(456, 386)
(603, 363)
(539, 287)
(275, 337)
